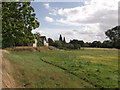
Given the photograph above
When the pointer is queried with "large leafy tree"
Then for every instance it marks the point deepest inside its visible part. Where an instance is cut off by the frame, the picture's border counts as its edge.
(114, 35)
(18, 20)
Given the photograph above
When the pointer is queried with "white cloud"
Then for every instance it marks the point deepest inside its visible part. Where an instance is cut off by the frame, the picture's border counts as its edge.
(49, 19)
(52, 10)
(47, 5)
(96, 16)
(102, 12)
(95, 11)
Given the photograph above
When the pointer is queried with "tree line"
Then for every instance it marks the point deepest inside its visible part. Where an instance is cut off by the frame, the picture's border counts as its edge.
(113, 42)
(61, 43)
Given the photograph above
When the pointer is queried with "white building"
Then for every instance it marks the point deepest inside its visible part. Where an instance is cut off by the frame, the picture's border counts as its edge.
(35, 44)
(44, 40)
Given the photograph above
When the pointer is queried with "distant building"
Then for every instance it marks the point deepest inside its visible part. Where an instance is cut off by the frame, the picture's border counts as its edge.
(44, 40)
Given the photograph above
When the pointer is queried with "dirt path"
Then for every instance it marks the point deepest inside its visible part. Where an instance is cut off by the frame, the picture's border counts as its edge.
(7, 72)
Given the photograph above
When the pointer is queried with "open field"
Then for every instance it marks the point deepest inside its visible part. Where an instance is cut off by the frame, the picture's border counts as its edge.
(65, 69)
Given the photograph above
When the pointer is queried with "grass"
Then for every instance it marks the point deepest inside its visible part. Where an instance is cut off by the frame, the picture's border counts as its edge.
(84, 68)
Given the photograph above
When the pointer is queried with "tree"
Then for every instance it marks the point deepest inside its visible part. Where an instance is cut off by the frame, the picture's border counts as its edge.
(58, 44)
(77, 46)
(114, 36)
(81, 43)
(74, 41)
(69, 46)
(60, 38)
(18, 20)
(39, 41)
(87, 44)
(50, 41)
(107, 44)
(64, 40)
(96, 44)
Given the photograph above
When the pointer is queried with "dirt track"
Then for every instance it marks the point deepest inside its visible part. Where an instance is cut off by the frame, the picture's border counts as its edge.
(7, 72)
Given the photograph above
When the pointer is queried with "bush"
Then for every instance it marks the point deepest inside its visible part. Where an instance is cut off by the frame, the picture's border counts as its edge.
(57, 44)
(77, 46)
(69, 46)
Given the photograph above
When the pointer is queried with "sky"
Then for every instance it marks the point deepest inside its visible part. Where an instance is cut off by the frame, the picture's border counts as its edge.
(87, 20)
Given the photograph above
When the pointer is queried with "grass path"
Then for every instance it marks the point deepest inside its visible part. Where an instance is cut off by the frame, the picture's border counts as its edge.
(76, 75)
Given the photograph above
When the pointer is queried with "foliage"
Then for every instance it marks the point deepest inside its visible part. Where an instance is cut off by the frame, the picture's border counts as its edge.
(18, 19)
(114, 35)
(62, 45)
(39, 41)
(77, 46)
(60, 38)
(57, 44)
(87, 44)
(96, 44)
(107, 44)
(50, 41)
(68, 46)
(81, 42)
(64, 40)
(75, 41)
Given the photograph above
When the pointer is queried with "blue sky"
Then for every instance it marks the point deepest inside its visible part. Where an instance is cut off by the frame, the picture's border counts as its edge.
(41, 12)
(76, 20)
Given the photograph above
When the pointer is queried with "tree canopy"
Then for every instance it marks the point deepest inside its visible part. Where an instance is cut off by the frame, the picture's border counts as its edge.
(18, 20)
(114, 35)
(50, 41)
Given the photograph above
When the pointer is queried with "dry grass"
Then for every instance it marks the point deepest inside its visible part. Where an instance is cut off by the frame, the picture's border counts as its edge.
(106, 60)
(104, 63)
(101, 48)
(7, 74)
(31, 49)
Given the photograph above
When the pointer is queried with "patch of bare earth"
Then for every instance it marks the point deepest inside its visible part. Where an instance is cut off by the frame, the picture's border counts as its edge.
(7, 73)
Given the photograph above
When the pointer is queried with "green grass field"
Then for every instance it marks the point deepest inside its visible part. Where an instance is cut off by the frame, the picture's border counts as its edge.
(66, 69)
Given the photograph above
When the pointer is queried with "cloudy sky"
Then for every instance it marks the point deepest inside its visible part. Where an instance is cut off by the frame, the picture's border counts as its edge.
(86, 20)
